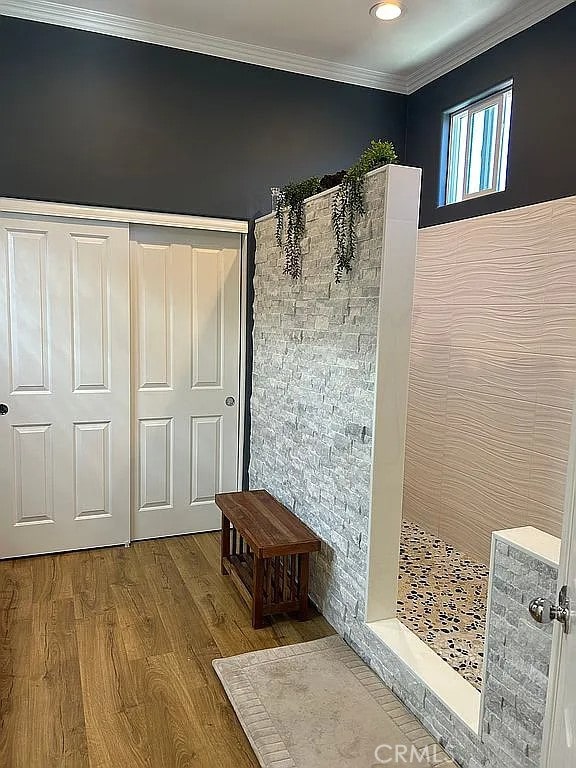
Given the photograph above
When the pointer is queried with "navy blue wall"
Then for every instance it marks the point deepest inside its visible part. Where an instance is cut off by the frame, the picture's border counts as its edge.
(542, 160)
(99, 120)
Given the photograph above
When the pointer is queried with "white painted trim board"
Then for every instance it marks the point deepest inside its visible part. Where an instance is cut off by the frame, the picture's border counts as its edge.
(93, 213)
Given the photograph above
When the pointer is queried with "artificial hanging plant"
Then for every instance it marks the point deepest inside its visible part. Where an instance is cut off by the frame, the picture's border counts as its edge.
(348, 203)
(347, 207)
(291, 201)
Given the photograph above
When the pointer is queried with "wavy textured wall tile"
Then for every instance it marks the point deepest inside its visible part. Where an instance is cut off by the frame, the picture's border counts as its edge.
(429, 364)
(433, 282)
(508, 279)
(556, 378)
(563, 225)
(502, 328)
(551, 431)
(543, 517)
(508, 421)
(519, 231)
(426, 401)
(423, 493)
(547, 480)
(426, 440)
(493, 374)
(539, 378)
(437, 243)
(561, 283)
(431, 324)
(497, 463)
(558, 329)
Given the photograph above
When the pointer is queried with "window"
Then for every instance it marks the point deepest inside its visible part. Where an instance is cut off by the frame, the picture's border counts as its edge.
(476, 137)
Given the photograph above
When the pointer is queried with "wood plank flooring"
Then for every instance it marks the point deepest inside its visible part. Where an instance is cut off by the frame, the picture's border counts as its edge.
(105, 658)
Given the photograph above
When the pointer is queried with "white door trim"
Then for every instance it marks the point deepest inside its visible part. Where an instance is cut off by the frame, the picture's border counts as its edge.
(242, 372)
(71, 211)
(548, 757)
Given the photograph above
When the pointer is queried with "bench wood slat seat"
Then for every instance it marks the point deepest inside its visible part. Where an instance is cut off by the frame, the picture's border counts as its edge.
(266, 550)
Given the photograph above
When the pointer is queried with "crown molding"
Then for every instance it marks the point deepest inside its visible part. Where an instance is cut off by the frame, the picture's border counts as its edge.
(530, 13)
(173, 37)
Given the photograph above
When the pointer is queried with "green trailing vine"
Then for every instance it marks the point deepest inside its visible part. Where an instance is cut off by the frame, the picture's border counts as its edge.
(291, 202)
(347, 208)
(348, 203)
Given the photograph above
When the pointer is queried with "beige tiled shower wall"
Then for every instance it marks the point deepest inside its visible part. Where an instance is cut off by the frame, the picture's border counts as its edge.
(492, 374)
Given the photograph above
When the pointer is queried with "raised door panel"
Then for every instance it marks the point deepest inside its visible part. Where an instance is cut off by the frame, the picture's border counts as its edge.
(28, 311)
(154, 317)
(92, 470)
(33, 474)
(156, 470)
(207, 319)
(90, 313)
(205, 458)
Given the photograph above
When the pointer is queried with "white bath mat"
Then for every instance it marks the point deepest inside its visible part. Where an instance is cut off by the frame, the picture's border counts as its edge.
(317, 705)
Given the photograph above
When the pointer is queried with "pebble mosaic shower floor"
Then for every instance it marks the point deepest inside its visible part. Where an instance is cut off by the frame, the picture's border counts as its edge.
(442, 598)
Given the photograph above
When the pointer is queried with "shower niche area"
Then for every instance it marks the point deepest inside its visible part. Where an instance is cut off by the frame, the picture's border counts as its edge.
(491, 388)
(408, 413)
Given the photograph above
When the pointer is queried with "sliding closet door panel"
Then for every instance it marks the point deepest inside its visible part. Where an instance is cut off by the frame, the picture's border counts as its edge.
(186, 335)
(65, 379)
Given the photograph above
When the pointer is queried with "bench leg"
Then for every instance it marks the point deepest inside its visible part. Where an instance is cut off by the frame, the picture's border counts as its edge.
(258, 593)
(303, 576)
(225, 543)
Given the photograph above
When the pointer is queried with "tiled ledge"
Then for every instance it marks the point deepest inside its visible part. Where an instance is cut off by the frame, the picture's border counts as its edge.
(524, 565)
(506, 718)
(533, 542)
(456, 693)
(324, 193)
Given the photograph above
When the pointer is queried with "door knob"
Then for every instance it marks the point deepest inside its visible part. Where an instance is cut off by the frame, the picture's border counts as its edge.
(544, 611)
(3, 409)
(230, 401)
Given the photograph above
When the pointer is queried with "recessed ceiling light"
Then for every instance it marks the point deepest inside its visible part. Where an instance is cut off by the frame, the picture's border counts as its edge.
(386, 11)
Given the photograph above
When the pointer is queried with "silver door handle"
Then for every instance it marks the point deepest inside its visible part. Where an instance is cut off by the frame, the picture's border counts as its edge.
(544, 611)
(230, 401)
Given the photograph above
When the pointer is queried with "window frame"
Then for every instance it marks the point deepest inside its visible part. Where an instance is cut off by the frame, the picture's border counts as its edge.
(494, 97)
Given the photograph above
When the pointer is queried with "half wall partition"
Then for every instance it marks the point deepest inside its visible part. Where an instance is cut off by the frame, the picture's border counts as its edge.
(329, 405)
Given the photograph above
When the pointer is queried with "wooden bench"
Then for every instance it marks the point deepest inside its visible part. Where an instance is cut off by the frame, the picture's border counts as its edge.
(266, 550)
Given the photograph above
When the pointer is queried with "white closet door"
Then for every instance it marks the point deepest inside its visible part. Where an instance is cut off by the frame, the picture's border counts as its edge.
(65, 380)
(186, 338)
